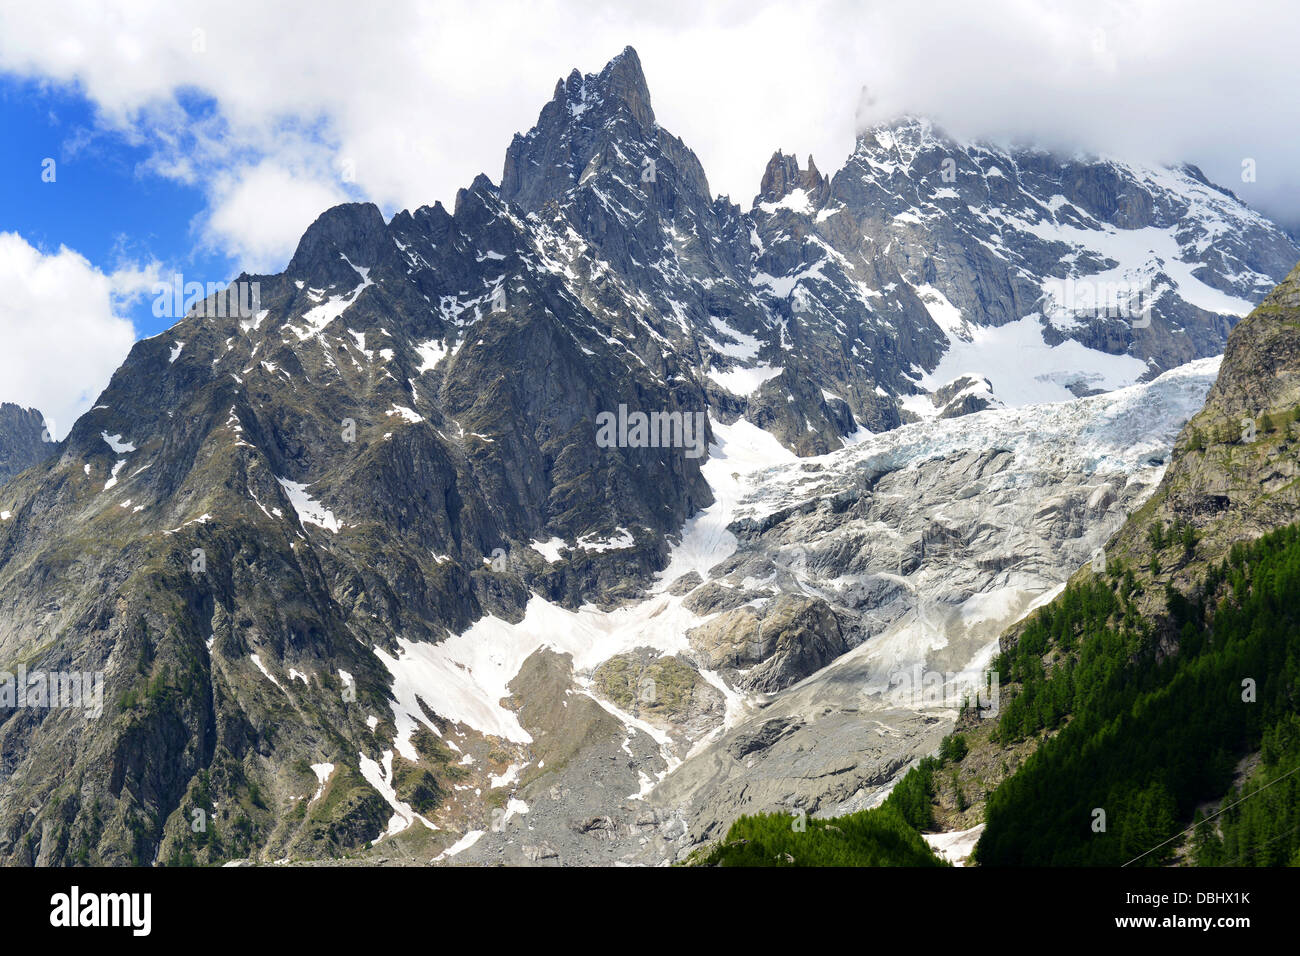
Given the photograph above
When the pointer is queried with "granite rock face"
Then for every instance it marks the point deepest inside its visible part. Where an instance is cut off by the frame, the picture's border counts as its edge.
(24, 440)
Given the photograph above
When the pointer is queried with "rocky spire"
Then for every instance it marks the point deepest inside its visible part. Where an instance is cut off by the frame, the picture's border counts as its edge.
(584, 113)
(623, 80)
(21, 444)
(783, 176)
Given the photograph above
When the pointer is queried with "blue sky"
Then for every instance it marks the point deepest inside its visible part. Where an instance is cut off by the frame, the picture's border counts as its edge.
(104, 201)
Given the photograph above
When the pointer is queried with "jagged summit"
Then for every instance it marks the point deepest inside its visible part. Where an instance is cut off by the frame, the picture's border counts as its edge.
(586, 113)
(622, 80)
(905, 126)
(783, 175)
(24, 440)
(480, 190)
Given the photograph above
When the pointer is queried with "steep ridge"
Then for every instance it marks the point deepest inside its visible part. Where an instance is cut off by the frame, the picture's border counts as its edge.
(311, 545)
(1049, 275)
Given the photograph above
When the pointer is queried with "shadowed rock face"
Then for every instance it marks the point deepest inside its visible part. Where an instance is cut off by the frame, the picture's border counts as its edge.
(23, 440)
(302, 504)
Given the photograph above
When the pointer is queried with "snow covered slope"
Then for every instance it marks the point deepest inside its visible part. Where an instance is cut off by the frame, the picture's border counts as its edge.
(921, 544)
(1048, 275)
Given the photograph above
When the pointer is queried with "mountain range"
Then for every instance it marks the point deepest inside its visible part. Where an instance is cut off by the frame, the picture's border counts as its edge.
(362, 577)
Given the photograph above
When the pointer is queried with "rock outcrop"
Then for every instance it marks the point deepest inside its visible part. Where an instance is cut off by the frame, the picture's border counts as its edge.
(24, 440)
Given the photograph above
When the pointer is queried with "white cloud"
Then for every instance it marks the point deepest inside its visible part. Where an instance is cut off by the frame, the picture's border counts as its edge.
(62, 337)
(261, 212)
(132, 282)
(418, 98)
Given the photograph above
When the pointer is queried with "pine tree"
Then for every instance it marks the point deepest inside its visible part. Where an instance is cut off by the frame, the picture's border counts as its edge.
(1156, 534)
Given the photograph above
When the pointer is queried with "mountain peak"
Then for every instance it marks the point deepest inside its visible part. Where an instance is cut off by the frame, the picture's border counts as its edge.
(783, 176)
(626, 79)
(905, 130)
(622, 81)
(355, 230)
(572, 126)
